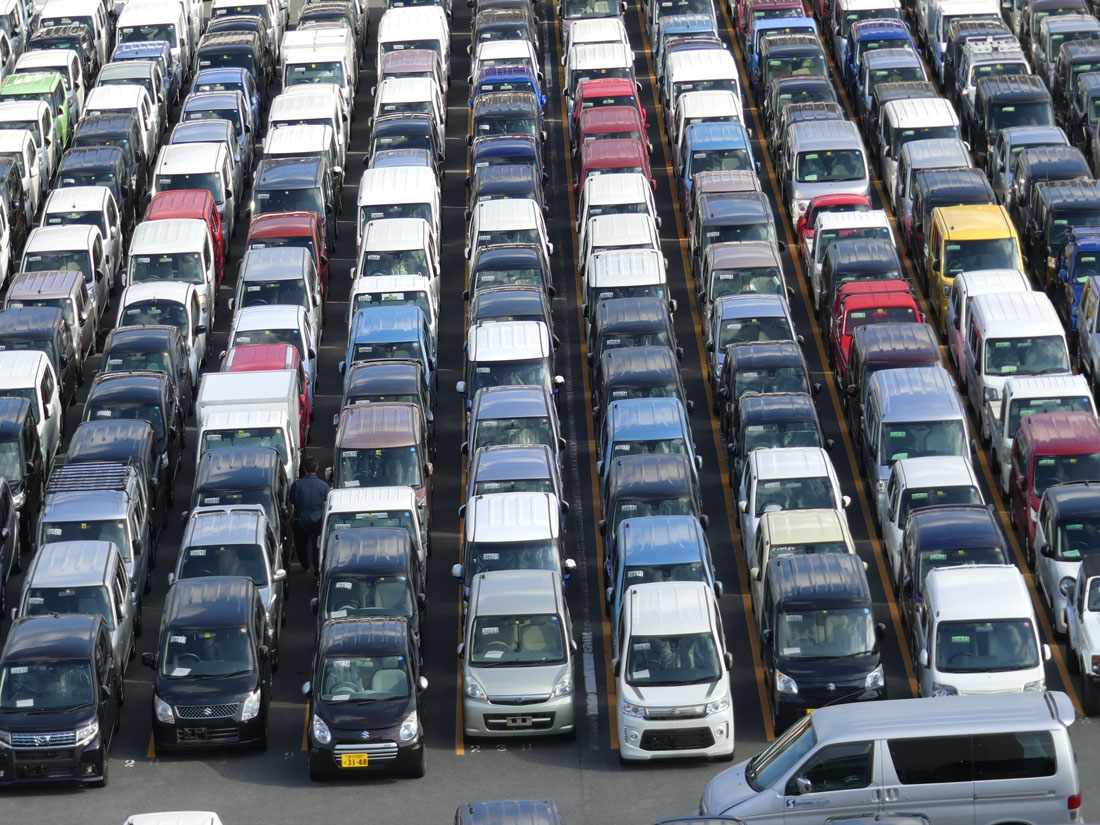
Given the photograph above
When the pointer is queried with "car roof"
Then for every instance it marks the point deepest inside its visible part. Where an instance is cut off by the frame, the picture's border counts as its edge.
(743, 254)
(209, 601)
(512, 402)
(51, 637)
(765, 354)
(77, 198)
(817, 580)
(239, 524)
(777, 406)
(647, 418)
(943, 470)
(362, 549)
(371, 636)
(657, 607)
(72, 564)
(624, 314)
(508, 462)
(508, 592)
(1060, 433)
(242, 467)
(917, 394)
(635, 366)
(946, 527)
(169, 235)
(790, 462)
(109, 440)
(515, 516)
(378, 426)
(507, 341)
(649, 476)
(291, 172)
(661, 540)
(29, 321)
(185, 158)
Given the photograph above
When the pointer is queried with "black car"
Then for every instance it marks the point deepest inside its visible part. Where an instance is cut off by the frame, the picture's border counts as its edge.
(390, 379)
(506, 113)
(370, 571)
(774, 419)
(860, 259)
(1074, 59)
(638, 372)
(246, 475)
(1003, 101)
(154, 347)
(510, 180)
(509, 265)
(366, 679)
(630, 322)
(1081, 125)
(213, 668)
(101, 166)
(13, 201)
(117, 128)
(126, 441)
(298, 184)
(1041, 164)
(235, 43)
(765, 366)
(74, 36)
(60, 693)
(21, 464)
(9, 539)
(44, 329)
(511, 303)
(1055, 208)
(790, 90)
(145, 395)
(407, 131)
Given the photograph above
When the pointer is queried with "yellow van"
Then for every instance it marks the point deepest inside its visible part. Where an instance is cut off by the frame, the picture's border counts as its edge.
(964, 239)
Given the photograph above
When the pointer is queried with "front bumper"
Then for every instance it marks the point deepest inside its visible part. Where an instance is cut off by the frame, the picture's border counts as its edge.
(704, 736)
(36, 765)
(517, 717)
(379, 755)
(197, 734)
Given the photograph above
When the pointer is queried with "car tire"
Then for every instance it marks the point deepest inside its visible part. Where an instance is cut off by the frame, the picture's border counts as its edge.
(418, 770)
(101, 782)
(1090, 697)
(315, 774)
(1073, 664)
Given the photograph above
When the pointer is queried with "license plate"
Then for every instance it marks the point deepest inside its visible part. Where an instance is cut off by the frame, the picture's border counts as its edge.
(518, 721)
(354, 760)
(810, 710)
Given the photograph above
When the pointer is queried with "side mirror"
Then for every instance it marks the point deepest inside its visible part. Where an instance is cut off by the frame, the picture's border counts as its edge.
(328, 474)
(803, 784)
(171, 579)
(465, 448)
(279, 575)
(232, 303)
(754, 573)
(314, 605)
(569, 566)
(264, 652)
(456, 571)
(846, 501)
(767, 636)
(459, 650)
(727, 659)
(1046, 653)
(422, 684)
(460, 387)
(615, 667)
(923, 657)
(306, 688)
(1045, 551)
(149, 659)
(201, 328)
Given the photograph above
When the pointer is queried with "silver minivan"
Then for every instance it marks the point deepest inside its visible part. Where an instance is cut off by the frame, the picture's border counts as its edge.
(822, 158)
(964, 760)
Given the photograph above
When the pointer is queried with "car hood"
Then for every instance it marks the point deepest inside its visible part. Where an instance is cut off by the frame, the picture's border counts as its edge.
(537, 680)
(726, 791)
(360, 716)
(671, 696)
(841, 672)
(59, 722)
(226, 690)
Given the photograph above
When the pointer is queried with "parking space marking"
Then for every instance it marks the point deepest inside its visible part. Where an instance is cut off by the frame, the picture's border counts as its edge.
(151, 749)
(729, 500)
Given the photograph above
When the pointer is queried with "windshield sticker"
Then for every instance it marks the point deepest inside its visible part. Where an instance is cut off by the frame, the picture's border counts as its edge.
(338, 614)
(490, 631)
(491, 556)
(494, 654)
(343, 585)
(20, 669)
(641, 674)
(793, 617)
(177, 640)
(36, 600)
(181, 671)
(24, 703)
(790, 651)
(53, 531)
(641, 645)
(635, 574)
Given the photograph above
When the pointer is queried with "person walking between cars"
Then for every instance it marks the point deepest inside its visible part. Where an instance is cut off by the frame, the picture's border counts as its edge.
(308, 495)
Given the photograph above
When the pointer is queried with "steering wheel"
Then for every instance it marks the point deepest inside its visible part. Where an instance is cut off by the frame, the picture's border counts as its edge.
(201, 573)
(503, 647)
(348, 606)
(345, 687)
(187, 660)
(960, 654)
(258, 302)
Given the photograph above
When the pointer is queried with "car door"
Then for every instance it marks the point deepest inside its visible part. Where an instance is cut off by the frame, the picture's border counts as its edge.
(109, 681)
(50, 404)
(840, 778)
(198, 336)
(123, 642)
(930, 774)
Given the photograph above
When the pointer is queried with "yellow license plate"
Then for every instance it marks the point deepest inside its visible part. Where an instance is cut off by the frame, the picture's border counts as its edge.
(354, 760)
(810, 710)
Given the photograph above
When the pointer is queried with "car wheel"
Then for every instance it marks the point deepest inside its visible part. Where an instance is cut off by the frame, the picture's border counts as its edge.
(101, 782)
(418, 770)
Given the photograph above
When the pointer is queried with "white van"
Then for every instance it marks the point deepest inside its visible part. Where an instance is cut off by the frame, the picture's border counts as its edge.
(964, 289)
(74, 247)
(415, 27)
(36, 116)
(597, 59)
(349, 508)
(199, 166)
(399, 246)
(714, 105)
(397, 192)
(314, 106)
(671, 674)
(29, 374)
(65, 62)
(91, 14)
(612, 232)
(973, 760)
(129, 98)
(18, 144)
(616, 193)
(829, 226)
(624, 273)
(88, 204)
(411, 95)
(507, 221)
(178, 250)
(321, 56)
(255, 428)
(308, 140)
(696, 71)
(504, 53)
(906, 120)
(978, 633)
(147, 20)
(1009, 334)
(594, 30)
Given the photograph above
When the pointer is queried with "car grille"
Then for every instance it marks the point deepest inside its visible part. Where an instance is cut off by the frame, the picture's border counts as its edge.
(206, 711)
(678, 712)
(222, 735)
(378, 751)
(518, 700)
(677, 740)
(817, 696)
(54, 739)
(532, 721)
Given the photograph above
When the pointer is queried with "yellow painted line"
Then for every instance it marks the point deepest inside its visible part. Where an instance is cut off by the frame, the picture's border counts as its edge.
(151, 750)
(729, 500)
(982, 457)
(594, 479)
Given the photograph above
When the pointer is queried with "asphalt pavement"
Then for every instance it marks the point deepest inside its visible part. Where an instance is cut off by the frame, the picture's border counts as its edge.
(583, 776)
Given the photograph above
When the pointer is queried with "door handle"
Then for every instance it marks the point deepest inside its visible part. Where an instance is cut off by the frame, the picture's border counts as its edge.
(876, 794)
(891, 794)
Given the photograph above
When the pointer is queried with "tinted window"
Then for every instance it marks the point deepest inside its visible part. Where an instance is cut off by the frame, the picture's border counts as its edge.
(1014, 755)
(837, 768)
(931, 759)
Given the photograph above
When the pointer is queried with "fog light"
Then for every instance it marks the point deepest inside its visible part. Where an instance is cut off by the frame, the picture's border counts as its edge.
(632, 736)
(720, 731)
(89, 770)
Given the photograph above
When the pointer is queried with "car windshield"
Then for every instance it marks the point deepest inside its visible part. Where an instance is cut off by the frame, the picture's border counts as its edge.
(687, 659)
(516, 485)
(1057, 469)
(827, 167)
(90, 178)
(655, 446)
(810, 548)
(289, 200)
(30, 394)
(126, 411)
(1019, 407)
(395, 262)
(292, 242)
(485, 557)
(1077, 538)
(904, 136)
(640, 508)
(32, 344)
(825, 634)
(280, 291)
(173, 266)
(220, 86)
(954, 557)
(379, 211)
(507, 236)
(1026, 355)
(291, 336)
(645, 390)
(807, 493)
(17, 157)
(206, 654)
(751, 330)
(521, 372)
(70, 261)
(922, 438)
(245, 560)
(528, 430)
(630, 134)
(392, 299)
(145, 34)
(718, 160)
(211, 182)
(1085, 265)
(1062, 219)
(395, 397)
(64, 304)
(232, 115)
(148, 313)
(986, 646)
(639, 339)
(692, 571)
(259, 10)
(775, 761)
(516, 641)
(770, 380)
(329, 71)
(827, 236)
(798, 64)
(56, 686)
(363, 595)
(144, 81)
(251, 437)
(639, 291)
(915, 497)
(364, 679)
(998, 69)
(90, 217)
(781, 434)
(731, 233)
(877, 315)
(91, 601)
(229, 498)
(393, 518)
(129, 361)
(1019, 114)
(636, 208)
(227, 60)
(33, 126)
(995, 253)
(11, 462)
(382, 467)
(506, 126)
(104, 530)
(764, 280)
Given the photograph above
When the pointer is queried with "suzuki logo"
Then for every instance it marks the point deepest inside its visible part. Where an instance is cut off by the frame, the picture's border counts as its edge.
(42, 740)
(207, 711)
(675, 711)
(364, 734)
(830, 687)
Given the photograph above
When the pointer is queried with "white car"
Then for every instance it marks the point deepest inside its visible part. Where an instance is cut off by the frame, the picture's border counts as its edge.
(280, 324)
(1082, 621)
(1067, 532)
(174, 304)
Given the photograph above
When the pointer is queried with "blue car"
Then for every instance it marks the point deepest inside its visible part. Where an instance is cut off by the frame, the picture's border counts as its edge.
(508, 150)
(872, 34)
(230, 79)
(775, 27)
(160, 51)
(645, 426)
(711, 147)
(507, 78)
(1077, 262)
(381, 332)
(682, 26)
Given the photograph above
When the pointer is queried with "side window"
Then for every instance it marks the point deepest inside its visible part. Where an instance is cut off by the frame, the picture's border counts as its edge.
(100, 656)
(112, 214)
(1014, 755)
(931, 760)
(836, 768)
(47, 388)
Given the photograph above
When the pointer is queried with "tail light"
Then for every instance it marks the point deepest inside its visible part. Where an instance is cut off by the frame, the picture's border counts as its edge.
(1074, 802)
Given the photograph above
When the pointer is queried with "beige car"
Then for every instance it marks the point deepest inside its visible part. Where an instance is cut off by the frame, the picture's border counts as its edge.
(64, 289)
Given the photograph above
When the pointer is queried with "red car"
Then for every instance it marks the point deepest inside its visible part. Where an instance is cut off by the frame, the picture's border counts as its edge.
(859, 303)
(606, 122)
(268, 357)
(1049, 449)
(194, 204)
(292, 229)
(612, 155)
(819, 206)
(604, 91)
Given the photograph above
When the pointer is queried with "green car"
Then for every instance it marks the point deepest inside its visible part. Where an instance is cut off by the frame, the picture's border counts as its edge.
(48, 87)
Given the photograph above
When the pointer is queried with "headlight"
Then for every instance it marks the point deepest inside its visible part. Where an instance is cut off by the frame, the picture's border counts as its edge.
(5, 739)
(880, 485)
(800, 207)
(785, 684)
(86, 733)
(409, 728)
(721, 706)
(1038, 686)
(473, 689)
(637, 711)
(944, 690)
(163, 710)
(1065, 584)
(251, 706)
(319, 731)
(875, 679)
(564, 687)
